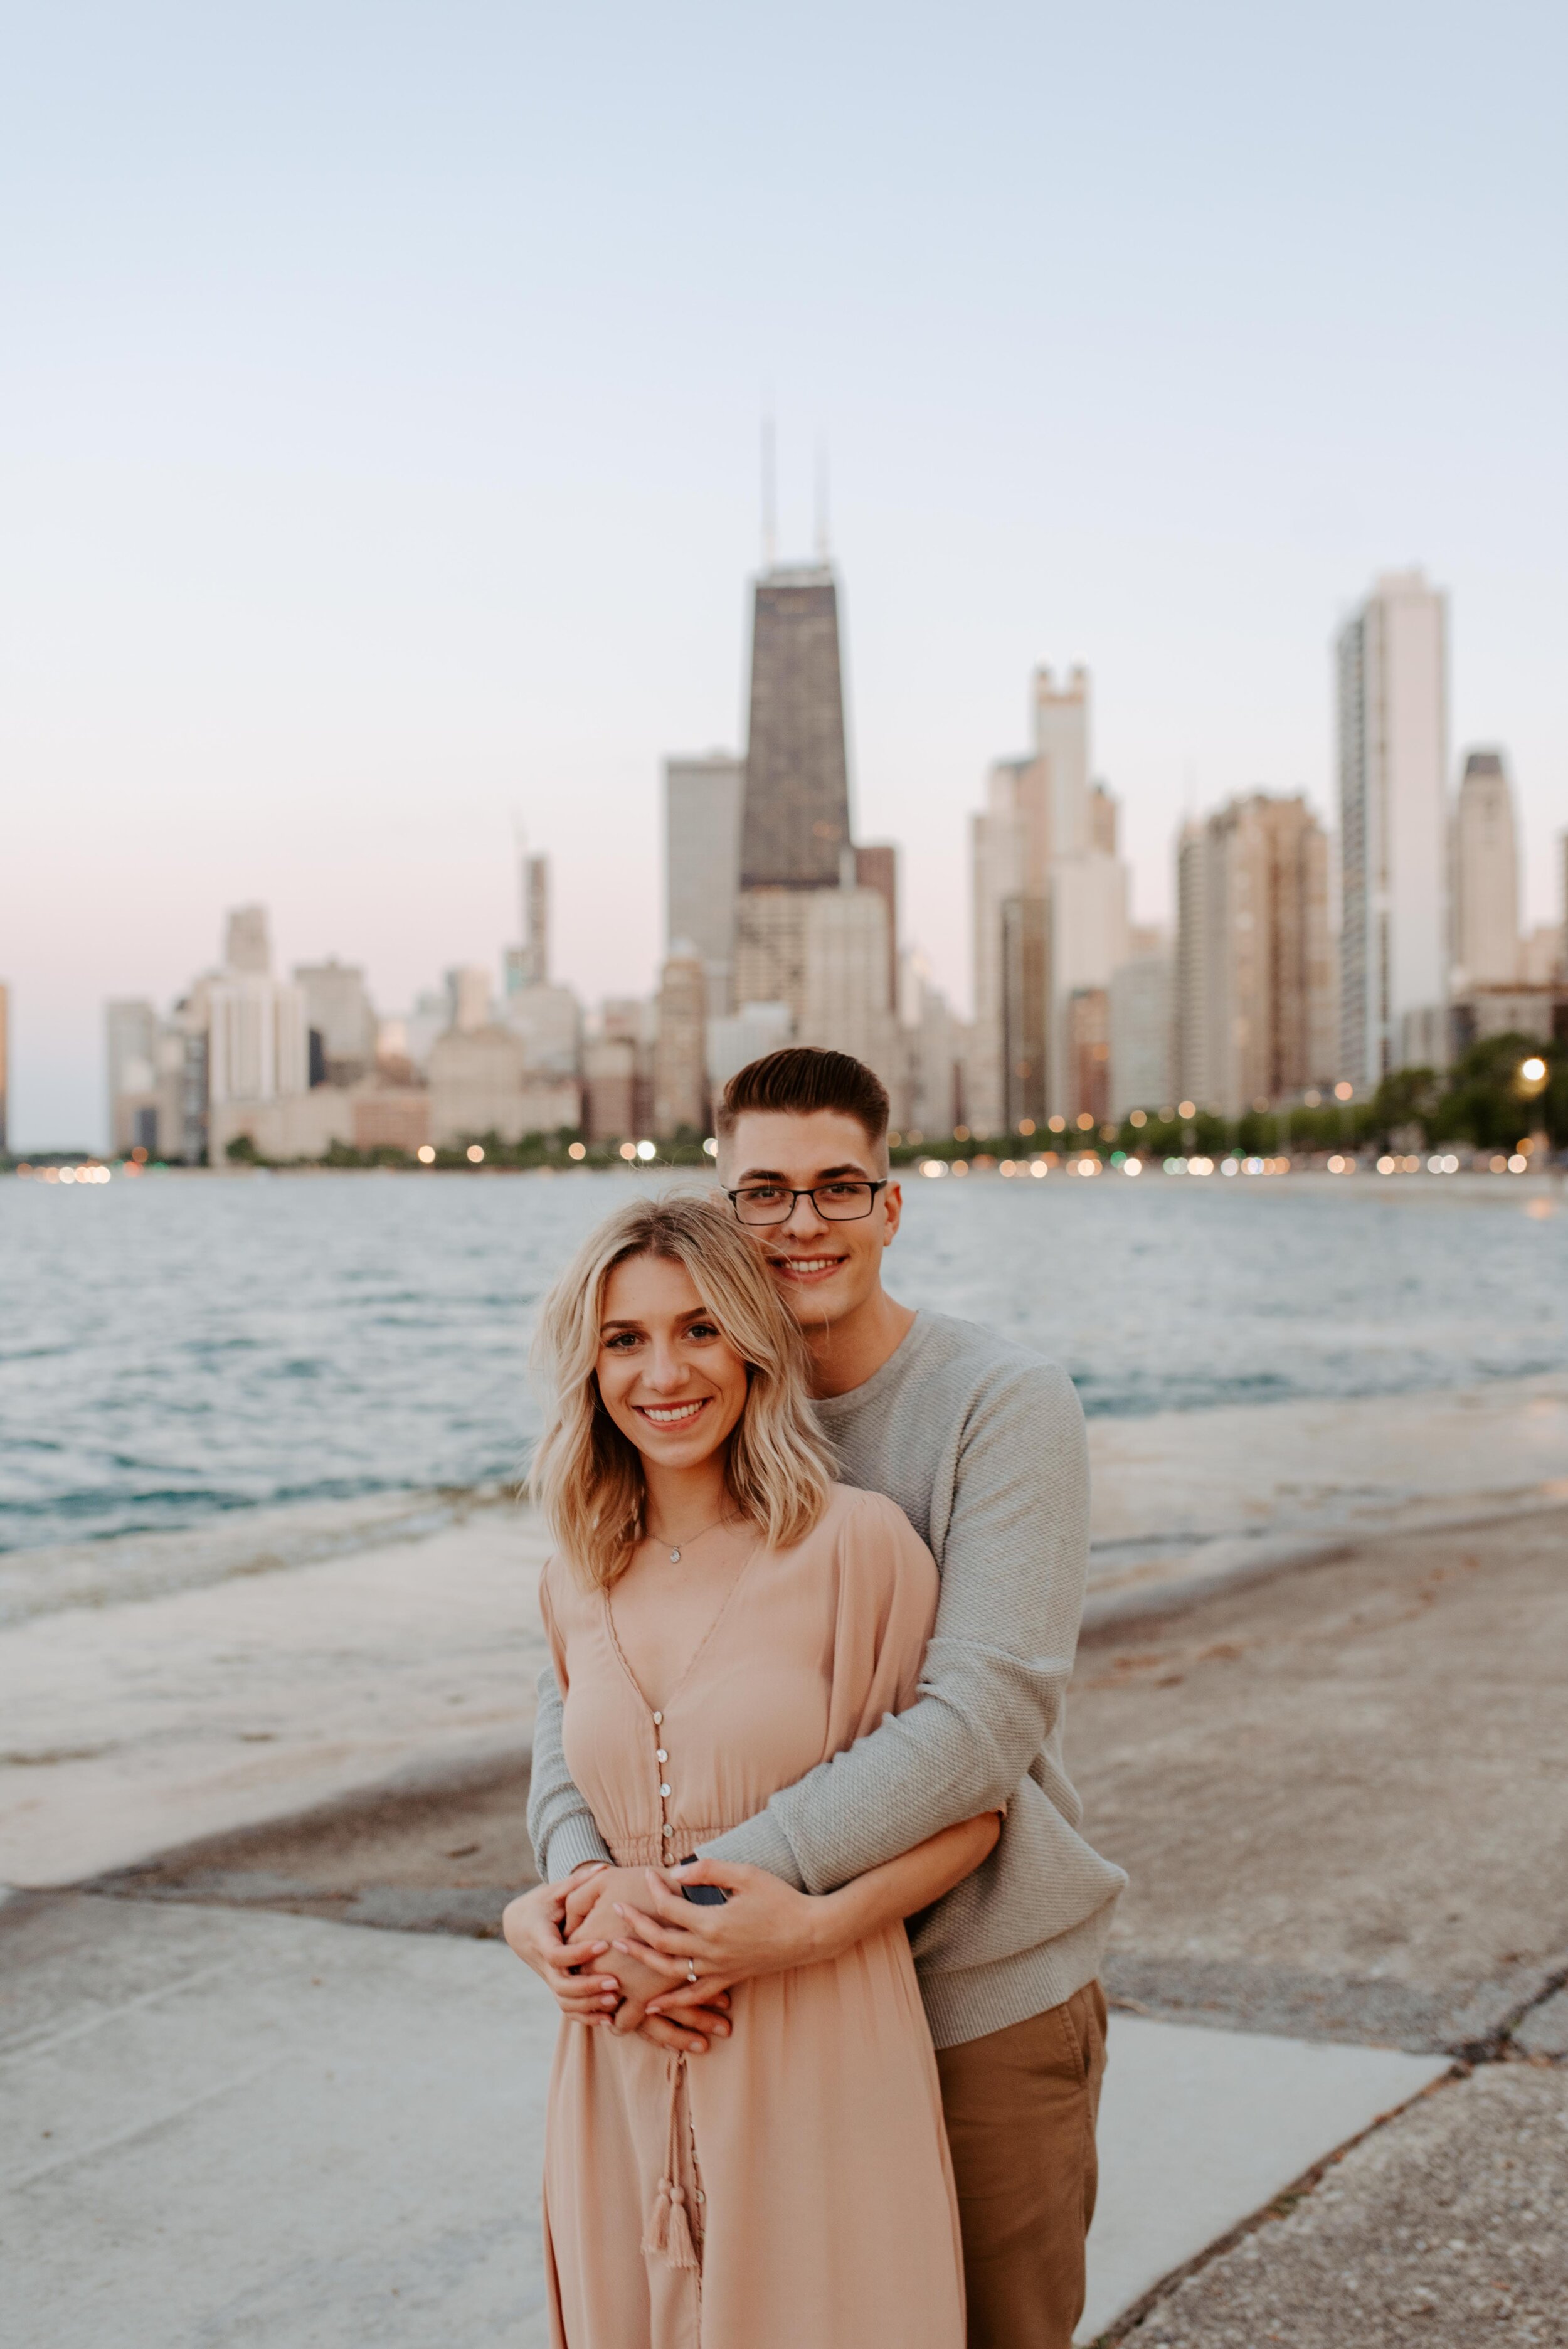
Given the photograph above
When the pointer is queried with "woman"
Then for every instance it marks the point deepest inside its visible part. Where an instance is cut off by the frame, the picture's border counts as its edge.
(723, 1616)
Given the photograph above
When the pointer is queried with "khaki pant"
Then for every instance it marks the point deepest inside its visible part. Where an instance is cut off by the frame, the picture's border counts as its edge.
(1021, 2105)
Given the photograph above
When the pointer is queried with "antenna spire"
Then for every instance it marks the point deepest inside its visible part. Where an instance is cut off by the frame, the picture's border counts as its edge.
(769, 497)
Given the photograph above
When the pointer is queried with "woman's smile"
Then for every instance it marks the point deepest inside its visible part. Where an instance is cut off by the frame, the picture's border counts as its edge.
(672, 1414)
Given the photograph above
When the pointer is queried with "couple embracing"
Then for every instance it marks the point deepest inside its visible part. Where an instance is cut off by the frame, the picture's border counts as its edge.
(816, 1908)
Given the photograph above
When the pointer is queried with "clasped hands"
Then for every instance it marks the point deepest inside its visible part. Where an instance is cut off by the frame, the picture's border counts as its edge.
(620, 1946)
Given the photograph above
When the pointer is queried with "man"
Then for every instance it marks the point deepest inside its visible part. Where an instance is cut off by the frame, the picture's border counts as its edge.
(983, 1447)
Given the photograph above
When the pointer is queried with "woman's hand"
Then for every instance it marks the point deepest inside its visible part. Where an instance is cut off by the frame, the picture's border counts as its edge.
(545, 1928)
(601, 1919)
(764, 1927)
(531, 1925)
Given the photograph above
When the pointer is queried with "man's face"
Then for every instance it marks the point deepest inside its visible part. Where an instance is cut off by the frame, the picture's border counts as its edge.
(823, 1268)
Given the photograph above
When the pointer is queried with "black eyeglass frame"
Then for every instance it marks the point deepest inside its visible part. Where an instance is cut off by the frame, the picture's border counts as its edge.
(860, 1181)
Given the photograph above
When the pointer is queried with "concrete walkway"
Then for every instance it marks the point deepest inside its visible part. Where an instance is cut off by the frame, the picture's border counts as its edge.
(227, 2129)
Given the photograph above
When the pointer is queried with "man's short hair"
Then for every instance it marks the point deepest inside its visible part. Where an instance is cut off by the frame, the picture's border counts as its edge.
(801, 1078)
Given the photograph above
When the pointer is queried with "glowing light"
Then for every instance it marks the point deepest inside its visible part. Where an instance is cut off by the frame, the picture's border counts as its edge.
(960, 1167)
(1039, 1167)
(934, 1167)
(646, 1149)
(426, 1153)
(1026, 1125)
(580, 1149)
(1132, 1166)
(1228, 1167)
(1532, 1070)
(709, 1148)
(1386, 1164)
(1343, 1089)
(1186, 1109)
(1083, 1121)
(1517, 1164)
(476, 1155)
(1056, 1124)
(1138, 1117)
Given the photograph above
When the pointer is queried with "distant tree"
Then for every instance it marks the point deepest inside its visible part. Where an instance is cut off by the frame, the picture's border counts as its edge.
(1407, 1097)
(242, 1152)
(1486, 1102)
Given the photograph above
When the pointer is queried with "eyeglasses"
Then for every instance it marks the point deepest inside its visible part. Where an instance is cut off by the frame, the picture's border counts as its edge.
(836, 1203)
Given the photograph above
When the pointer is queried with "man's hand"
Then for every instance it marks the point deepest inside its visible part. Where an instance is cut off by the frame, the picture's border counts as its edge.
(764, 1928)
(532, 1927)
(537, 1926)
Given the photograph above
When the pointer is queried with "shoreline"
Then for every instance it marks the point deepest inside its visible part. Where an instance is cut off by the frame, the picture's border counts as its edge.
(226, 1689)
(1179, 1496)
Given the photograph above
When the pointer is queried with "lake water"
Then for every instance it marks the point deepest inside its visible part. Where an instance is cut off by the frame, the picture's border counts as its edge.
(177, 1348)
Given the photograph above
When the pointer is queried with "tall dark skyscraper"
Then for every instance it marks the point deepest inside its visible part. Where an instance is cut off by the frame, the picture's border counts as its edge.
(795, 824)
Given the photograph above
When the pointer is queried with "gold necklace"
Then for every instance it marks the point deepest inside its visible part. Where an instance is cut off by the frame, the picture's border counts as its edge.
(687, 1540)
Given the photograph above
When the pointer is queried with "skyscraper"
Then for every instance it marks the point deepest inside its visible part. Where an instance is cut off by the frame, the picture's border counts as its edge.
(247, 941)
(808, 933)
(1048, 878)
(1394, 830)
(1254, 987)
(1485, 875)
(796, 817)
(680, 1054)
(528, 965)
(702, 864)
(341, 1021)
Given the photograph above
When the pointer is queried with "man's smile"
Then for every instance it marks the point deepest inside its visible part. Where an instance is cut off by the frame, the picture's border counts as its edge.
(807, 1267)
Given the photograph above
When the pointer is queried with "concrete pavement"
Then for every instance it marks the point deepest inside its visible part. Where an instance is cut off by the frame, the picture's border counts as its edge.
(226, 2128)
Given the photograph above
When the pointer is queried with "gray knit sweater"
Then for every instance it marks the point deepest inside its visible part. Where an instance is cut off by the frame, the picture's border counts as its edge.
(983, 1447)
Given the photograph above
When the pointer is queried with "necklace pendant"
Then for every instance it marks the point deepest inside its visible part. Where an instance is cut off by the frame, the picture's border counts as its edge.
(674, 1557)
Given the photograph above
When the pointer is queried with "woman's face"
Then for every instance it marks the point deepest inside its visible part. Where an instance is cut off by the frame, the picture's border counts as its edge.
(670, 1380)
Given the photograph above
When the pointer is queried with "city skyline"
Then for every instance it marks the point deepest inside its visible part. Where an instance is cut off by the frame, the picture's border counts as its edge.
(340, 525)
(778, 924)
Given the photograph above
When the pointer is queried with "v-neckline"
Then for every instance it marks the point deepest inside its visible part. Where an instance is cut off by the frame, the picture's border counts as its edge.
(697, 1654)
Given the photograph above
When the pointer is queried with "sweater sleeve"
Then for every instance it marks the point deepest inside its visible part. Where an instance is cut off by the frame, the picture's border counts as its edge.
(996, 1672)
(559, 1823)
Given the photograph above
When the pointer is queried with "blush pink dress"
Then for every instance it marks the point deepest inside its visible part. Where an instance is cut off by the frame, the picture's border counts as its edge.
(791, 2188)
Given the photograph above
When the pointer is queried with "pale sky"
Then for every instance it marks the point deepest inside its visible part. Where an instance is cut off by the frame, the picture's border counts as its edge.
(379, 418)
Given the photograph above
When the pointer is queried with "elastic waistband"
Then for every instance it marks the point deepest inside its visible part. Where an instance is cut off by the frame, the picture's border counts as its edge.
(652, 1850)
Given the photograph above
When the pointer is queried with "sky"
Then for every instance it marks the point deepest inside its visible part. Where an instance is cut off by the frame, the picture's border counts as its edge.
(379, 423)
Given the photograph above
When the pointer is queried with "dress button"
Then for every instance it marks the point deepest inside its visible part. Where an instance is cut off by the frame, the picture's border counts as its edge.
(667, 1829)
(700, 2195)
(659, 1720)
(665, 1792)
(663, 1757)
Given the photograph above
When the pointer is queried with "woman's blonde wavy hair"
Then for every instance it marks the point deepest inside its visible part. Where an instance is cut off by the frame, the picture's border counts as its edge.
(586, 1477)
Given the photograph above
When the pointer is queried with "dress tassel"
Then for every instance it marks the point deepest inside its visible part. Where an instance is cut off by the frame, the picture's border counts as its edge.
(668, 2235)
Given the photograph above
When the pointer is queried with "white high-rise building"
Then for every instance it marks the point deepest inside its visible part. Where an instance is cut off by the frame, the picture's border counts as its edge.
(257, 1046)
(741, 1037)
(1394, 830)
(338, 1010)
(998, 864)
(1485, 876)
(1050, 916)
(1090, 937)
(1061, 756)
(702, 863)
(1142, 1035)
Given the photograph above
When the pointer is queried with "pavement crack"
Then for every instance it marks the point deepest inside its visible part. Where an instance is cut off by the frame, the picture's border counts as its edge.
(143, 2128)
(42, 2042)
